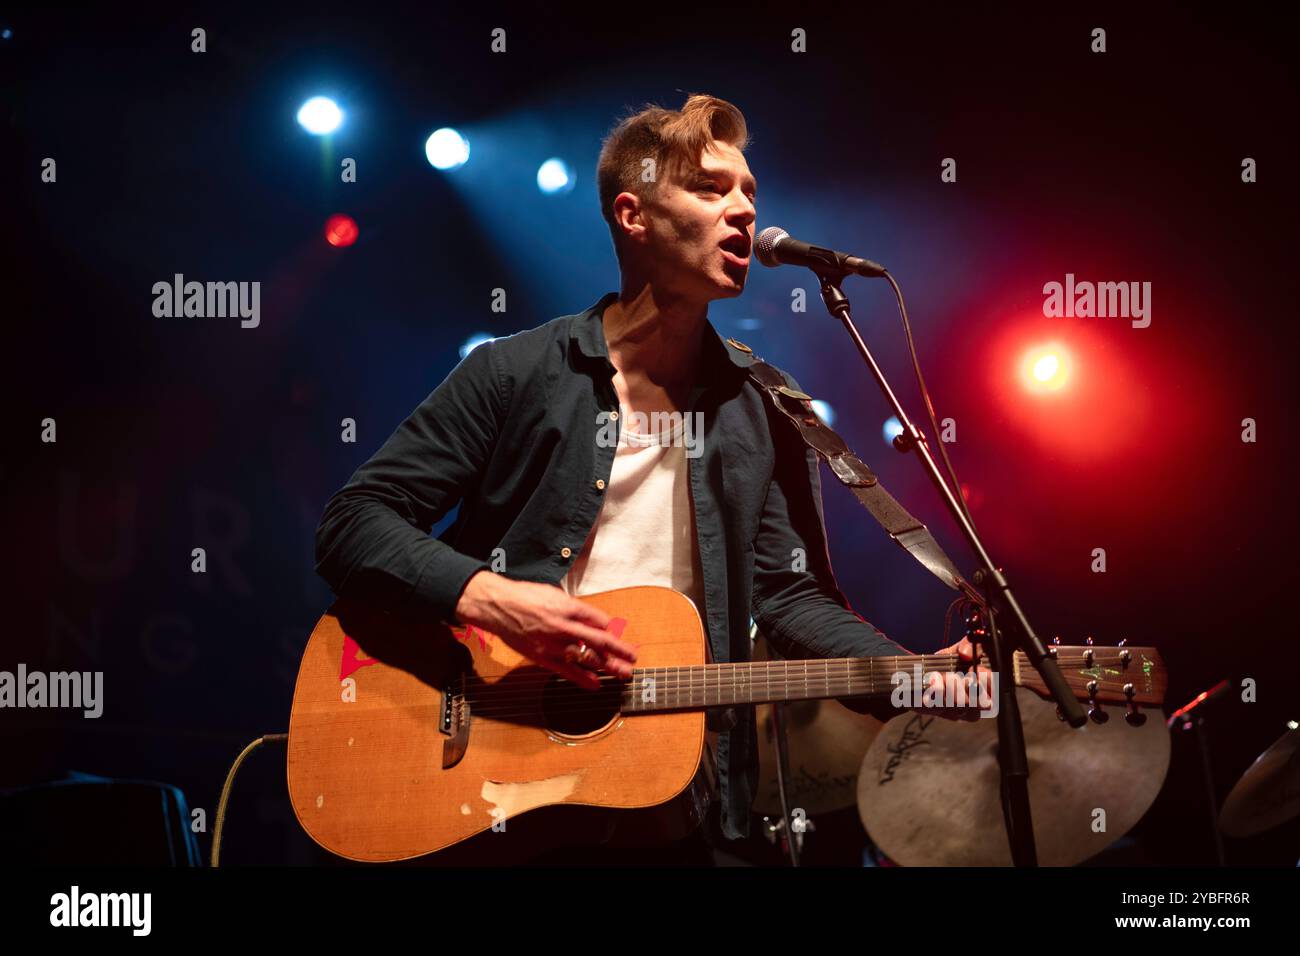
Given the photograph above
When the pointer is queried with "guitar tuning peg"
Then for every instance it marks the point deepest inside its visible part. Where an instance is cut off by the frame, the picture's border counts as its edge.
(1134, 717)
(1095, 713)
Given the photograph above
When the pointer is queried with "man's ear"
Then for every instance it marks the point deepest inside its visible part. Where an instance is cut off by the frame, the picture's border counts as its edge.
(629, 215)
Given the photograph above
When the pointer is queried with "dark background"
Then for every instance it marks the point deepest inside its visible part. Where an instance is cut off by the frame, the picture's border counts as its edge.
(1123, 166)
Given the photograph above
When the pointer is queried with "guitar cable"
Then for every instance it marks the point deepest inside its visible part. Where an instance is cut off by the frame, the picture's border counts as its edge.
(229, 785)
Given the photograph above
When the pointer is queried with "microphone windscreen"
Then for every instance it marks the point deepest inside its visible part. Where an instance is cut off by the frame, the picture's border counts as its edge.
(765, 245)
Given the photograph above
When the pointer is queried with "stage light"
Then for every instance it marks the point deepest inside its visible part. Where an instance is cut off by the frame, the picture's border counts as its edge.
(554, 176)
(1045, 368)
(320, 115)
(893, 428)
(474, 341)
(446, 149)
(341, 230)
(6, 34)
(824, 411)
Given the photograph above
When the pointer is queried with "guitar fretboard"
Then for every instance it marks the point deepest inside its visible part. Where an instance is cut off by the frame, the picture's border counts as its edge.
(759, 682)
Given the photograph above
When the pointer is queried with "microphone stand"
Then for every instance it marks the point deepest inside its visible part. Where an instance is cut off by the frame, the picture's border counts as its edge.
(1012, 761)
(1190, 717)
(794, 839)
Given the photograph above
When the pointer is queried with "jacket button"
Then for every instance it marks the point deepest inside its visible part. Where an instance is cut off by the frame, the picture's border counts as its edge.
(565, 552)
(600, 484)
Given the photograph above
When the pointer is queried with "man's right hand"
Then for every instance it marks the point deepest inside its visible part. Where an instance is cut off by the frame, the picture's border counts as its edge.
(543, 623)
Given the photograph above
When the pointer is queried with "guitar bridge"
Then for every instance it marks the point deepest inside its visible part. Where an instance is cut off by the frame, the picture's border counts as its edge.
(454, 722)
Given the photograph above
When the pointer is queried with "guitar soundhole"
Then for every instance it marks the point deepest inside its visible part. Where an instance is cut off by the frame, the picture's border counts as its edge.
(574, 711)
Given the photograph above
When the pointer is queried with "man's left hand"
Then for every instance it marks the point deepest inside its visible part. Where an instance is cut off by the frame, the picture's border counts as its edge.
(978, 693)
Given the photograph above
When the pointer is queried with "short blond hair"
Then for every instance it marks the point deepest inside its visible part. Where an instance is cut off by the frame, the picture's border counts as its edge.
(672, 138)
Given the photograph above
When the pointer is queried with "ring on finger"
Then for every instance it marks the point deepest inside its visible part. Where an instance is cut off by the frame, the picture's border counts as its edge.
(580, 654)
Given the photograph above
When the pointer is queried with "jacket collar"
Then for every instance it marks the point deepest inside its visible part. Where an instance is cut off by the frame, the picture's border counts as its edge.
(587, 332)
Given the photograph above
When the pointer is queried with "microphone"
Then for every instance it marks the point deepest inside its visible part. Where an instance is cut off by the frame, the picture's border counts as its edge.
(774, 246)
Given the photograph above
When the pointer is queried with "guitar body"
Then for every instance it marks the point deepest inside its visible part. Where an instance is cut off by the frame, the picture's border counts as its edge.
(406, 740)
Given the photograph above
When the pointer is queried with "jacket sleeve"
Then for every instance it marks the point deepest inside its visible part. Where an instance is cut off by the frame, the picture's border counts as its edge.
(795, 600)
(373, 542)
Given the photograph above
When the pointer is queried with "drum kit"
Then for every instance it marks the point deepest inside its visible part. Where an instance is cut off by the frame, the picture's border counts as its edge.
(927, 790)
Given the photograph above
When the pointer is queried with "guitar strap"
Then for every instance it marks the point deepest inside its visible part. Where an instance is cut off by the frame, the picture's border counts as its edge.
(853, 473)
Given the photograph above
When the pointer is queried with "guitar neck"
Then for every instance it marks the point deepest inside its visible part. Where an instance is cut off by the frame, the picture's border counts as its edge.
(760, 682)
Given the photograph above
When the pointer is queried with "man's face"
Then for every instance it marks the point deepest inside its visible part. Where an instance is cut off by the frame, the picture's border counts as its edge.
(700, 226)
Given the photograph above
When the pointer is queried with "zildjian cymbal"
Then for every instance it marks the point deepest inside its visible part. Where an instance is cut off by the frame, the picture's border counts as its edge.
(929, 788)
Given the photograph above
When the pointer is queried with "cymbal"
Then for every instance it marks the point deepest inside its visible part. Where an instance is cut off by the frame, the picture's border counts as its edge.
(827, 742)
(1268, 793)
(929, 788)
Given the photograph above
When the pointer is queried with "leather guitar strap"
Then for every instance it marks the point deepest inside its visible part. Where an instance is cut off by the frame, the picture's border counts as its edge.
(853, 473)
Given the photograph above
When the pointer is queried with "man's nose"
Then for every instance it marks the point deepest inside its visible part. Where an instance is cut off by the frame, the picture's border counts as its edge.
(742, 211)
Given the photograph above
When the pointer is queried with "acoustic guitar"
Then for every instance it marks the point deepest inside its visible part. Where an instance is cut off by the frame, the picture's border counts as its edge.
(405, 740)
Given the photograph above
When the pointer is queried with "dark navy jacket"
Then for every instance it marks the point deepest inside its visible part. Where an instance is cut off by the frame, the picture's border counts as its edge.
(512, 435)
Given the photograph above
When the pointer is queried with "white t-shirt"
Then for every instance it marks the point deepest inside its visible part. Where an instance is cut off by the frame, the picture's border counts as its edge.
(645, 531)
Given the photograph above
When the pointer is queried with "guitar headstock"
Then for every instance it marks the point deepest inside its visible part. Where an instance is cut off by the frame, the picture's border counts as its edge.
(1131, 676)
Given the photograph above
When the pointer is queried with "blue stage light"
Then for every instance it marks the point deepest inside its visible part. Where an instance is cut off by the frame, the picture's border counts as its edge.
(320, 115)
(446, 149)
(893, 428)
(554, 176)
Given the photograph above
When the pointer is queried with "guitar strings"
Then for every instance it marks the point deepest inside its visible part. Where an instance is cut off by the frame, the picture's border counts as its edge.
(679, 677)
(678, 683)
(725, 674)
(570, 698)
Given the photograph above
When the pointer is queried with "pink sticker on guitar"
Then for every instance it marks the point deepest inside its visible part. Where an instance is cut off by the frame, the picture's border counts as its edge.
(350, 665)
(483, 639)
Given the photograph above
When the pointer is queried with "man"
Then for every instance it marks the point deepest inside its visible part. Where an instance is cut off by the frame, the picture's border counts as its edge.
(519, 434)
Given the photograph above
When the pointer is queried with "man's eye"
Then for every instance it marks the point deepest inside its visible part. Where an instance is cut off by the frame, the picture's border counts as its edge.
(709, 187)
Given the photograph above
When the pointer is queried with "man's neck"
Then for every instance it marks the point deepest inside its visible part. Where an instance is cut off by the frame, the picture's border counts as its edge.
(655, 336)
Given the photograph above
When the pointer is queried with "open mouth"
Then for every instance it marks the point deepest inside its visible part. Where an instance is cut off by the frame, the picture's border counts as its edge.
(736, 249)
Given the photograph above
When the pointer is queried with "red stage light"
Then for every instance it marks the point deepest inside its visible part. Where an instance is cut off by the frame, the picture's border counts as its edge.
(1046, 368)
(1073, 393)
(341, 230)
